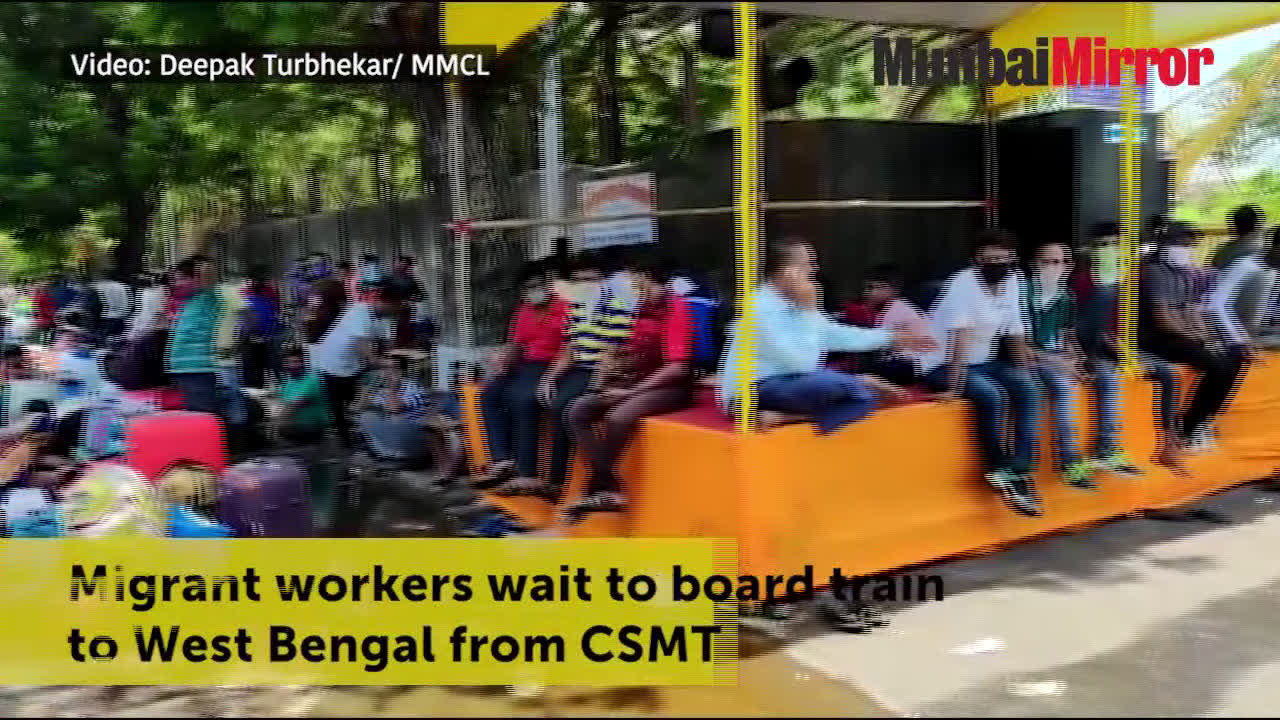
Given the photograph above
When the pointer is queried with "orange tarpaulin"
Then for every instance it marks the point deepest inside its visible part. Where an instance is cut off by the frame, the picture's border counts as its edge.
(899, 488)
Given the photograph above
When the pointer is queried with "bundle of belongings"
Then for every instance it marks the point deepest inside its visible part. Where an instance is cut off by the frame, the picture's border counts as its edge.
(52, 483)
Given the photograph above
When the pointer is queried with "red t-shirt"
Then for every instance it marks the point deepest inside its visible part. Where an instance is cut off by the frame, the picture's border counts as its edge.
(661, 333)
(539, 332)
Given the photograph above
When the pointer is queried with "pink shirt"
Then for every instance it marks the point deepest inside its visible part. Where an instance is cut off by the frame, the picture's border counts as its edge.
(900, 313)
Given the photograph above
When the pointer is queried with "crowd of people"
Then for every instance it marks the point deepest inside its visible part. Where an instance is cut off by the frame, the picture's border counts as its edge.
(206, 344)
(596, 344)
(1010, 338)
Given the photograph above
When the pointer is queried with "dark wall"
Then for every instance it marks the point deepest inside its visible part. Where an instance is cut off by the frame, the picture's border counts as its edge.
(1095, 177)
(829, 160)
(1056, 177)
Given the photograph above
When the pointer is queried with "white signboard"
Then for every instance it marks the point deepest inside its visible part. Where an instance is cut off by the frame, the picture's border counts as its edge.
(1113, 133)
(622, 195)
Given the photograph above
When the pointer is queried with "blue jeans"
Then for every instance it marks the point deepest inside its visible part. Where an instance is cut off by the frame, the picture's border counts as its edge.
(199, 392)
(833, 398)
(511, 416)
(1061, 393)
(997, 389)
(1160, 373)
(230, 396)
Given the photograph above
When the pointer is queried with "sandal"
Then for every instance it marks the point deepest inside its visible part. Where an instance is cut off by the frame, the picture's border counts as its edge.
(596, 502)
(525, 487)
(497, 474)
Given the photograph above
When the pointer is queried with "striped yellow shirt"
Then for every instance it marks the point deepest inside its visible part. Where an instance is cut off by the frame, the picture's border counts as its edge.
(592, 330)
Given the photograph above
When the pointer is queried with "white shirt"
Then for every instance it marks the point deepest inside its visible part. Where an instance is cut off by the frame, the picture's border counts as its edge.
(115, 299)
(150, 306)
(1223, 297)
(338, 352)
(965, 304)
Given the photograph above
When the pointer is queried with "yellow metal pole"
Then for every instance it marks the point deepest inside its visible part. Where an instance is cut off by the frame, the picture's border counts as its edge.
(747, 206)
(1137, 29)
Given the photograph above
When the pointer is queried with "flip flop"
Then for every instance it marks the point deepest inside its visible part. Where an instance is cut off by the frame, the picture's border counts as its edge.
(524, 487)
(593, 504)
(500, 475)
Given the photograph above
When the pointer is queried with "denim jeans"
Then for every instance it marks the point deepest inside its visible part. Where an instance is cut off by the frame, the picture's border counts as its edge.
(1219, 375)
(572, 385)
(833, 398)
(199, 392)
(1060, 391)
(999, 389)
(511, 416)
(230, 396)
(1160, 373)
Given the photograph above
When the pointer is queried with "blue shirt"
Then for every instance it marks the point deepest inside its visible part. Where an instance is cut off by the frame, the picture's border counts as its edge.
(790, 340)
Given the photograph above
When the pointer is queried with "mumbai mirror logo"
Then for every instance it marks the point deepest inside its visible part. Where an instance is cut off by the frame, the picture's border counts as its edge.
(1056, 62)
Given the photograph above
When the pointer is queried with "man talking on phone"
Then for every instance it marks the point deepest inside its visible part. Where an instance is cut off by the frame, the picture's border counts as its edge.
(793, 338)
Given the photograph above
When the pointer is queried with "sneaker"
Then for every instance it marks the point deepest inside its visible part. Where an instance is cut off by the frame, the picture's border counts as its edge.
(1027, 487)
(839, 616)
(1014, 491)
(870, 615)
(1117, 463)
(1028, 497)
(1079, 474)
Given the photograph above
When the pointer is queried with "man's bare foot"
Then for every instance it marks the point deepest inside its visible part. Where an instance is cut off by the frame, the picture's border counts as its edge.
(1170, 456)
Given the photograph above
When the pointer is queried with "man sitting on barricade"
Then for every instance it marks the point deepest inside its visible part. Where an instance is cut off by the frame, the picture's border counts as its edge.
(649, 374)
(979, 315)
(792, 339)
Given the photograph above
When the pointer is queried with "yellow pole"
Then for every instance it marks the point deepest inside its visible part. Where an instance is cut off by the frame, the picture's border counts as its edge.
(747, 205)
(1137, 28)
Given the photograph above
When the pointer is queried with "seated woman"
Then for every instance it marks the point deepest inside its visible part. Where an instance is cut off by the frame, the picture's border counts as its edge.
(649, 374)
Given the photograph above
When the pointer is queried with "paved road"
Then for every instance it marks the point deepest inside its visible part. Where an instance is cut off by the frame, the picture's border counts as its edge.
(1138, 617)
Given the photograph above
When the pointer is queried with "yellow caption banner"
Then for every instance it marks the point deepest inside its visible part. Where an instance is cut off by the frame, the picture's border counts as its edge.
(592, 612)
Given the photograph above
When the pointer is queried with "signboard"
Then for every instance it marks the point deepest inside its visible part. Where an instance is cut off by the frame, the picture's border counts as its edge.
(621, 195)
(1113, 133)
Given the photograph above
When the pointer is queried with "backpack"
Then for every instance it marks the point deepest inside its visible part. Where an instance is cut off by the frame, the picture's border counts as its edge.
(707, 321)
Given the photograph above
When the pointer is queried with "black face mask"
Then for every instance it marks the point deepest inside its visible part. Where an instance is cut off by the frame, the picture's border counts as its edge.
(994, 273)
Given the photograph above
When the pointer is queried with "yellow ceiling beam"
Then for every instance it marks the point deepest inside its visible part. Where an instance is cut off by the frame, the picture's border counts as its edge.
(494, 23)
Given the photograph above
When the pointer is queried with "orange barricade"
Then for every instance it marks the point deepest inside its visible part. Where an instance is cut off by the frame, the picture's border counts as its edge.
(899, 488)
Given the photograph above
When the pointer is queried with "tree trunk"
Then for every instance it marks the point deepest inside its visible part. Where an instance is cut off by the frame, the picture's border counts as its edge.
(135, 207)
(689, 90)
(609, 110)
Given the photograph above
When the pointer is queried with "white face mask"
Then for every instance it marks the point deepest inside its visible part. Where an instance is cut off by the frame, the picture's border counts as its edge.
(1050, 278)
(584, 292)
(1179, 255)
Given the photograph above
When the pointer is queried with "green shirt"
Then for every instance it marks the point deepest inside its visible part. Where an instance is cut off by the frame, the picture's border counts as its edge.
(1048, 322)
(313, 410)
(191, 341)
